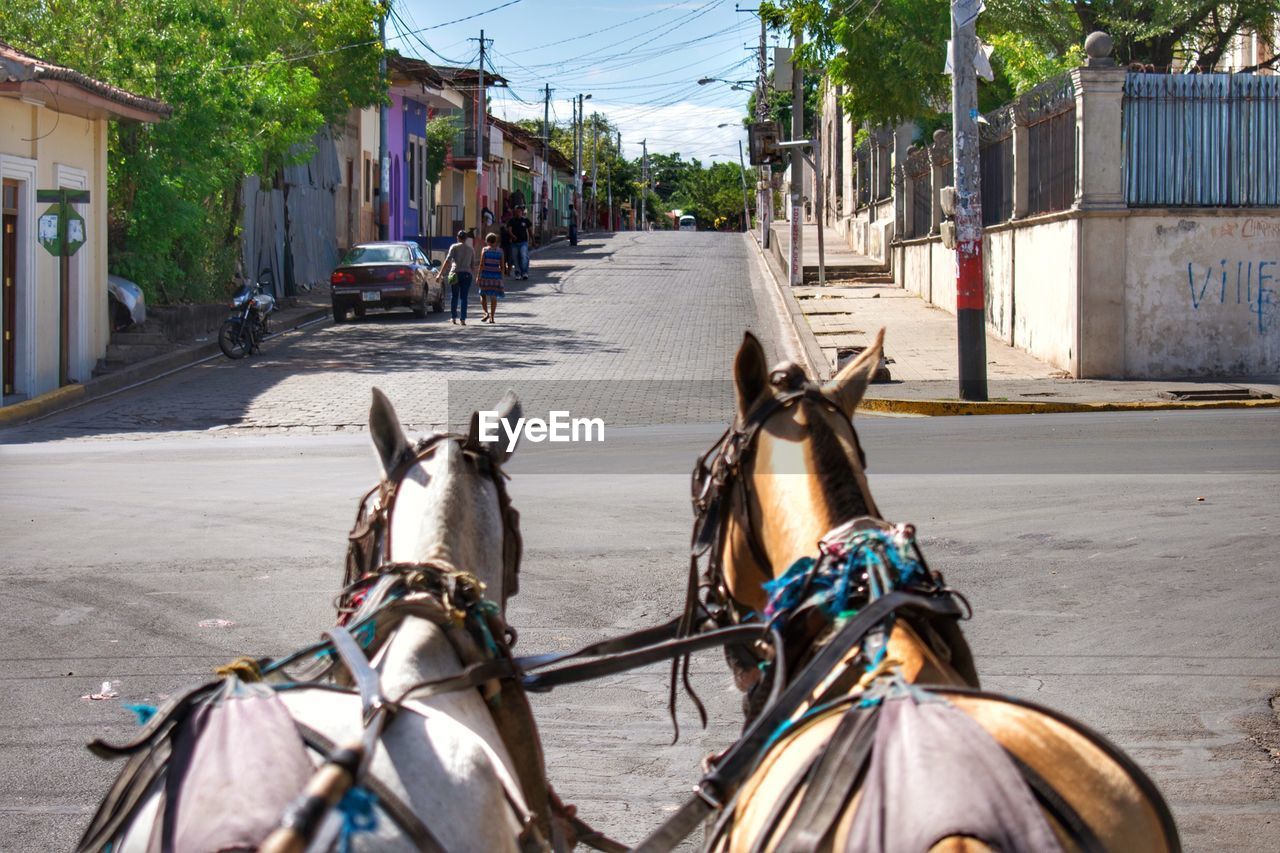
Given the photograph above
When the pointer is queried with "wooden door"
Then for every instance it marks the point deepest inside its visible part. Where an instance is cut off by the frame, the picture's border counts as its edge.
(9, 279)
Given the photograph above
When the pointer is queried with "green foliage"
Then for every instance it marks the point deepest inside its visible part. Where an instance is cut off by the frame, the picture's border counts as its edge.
(250, 85)
(440, 134)
(1025, 63)
(780, 105)
(889, 58)
(713, 194)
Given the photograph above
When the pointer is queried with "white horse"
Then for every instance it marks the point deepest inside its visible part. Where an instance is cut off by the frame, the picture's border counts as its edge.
(444, 758)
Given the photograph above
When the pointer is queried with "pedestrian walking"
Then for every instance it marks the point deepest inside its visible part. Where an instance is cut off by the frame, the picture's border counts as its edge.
(490, 277)
(520, 228)
(504, 238)
(573, 226)
(459, 265)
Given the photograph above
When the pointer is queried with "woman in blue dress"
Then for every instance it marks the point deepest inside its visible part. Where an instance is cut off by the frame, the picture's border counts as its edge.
(490, 277)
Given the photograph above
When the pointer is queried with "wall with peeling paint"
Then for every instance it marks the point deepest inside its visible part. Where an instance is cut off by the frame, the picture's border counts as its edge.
(1045, 288)
(997, 262)
(1201, 294)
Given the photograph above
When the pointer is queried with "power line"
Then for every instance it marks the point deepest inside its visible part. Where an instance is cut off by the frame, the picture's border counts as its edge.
(353, 45)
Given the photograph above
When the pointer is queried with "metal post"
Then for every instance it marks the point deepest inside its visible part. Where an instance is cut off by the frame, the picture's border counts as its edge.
(797, 162)
(612, 171)
(971, 339)
(546, 169)
(595, 172)
(644, 177)
(384, 156)
(482, 115)
(577, 155)
(746, 209)
(764, 203)
(818, 200)
(64, 293)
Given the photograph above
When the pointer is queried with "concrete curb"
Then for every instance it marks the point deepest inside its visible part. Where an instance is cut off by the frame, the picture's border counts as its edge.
(139, 373)
(816, 363)
(43, 404)
(945, 408)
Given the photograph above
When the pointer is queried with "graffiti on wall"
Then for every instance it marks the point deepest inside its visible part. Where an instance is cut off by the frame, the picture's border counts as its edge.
(1248, 282)
(1237, 282)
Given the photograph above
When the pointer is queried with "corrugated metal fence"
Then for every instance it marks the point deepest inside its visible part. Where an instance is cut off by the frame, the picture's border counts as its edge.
(1193, 140)
(290, 229)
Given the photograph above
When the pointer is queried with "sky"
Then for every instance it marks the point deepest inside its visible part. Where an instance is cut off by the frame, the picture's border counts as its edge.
(639, 61)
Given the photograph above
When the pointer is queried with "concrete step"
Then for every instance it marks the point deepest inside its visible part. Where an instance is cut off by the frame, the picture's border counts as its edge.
(139, 335)
(127, 353)
(847, 275)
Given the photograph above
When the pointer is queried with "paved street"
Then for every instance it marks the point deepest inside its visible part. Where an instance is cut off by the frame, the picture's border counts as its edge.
(1102, 584)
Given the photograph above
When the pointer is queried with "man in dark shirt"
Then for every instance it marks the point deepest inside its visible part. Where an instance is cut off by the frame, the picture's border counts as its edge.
(519, 226)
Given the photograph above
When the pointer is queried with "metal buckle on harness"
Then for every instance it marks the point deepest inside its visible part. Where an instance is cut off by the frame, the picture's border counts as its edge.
(700, 790)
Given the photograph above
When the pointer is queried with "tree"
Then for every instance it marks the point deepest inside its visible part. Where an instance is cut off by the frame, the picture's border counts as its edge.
(712, 194)
(889, 58)
(250, 85)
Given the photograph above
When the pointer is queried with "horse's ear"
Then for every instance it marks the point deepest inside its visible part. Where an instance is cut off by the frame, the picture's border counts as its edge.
(750, 374)
(508, 410)
(388, 436)
(848, 386)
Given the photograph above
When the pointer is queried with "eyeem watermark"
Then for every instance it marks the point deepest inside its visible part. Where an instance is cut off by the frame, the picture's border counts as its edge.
(559, 427)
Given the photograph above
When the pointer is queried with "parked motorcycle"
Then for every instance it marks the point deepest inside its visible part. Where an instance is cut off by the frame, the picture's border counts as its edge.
(242, 333)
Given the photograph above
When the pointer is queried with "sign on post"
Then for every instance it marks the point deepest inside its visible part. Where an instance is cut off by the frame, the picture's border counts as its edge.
(51, 232)
(62, 232)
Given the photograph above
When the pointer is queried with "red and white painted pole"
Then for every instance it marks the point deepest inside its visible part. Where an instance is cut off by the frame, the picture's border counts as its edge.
(971, 335)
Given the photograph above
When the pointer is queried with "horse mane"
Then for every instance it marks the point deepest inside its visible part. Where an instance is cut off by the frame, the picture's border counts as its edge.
(834, 470)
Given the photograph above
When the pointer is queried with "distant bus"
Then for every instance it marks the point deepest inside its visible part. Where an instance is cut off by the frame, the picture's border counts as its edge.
(688, 223)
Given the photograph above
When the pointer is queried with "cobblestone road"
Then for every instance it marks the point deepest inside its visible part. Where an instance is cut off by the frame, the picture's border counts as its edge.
(656, 306)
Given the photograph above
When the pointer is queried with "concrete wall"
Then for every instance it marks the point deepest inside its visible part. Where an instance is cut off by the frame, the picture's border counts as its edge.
(1200, 294)
(44, 150)
(997, 260)
(1045, 285)
(1031, 274)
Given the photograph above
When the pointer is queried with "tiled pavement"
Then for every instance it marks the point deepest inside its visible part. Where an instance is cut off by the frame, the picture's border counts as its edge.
(630, 306)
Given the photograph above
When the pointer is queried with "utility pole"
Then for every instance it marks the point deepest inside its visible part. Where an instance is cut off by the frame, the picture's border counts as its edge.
(971, 338)
(546, 168)
(577, 161)
(797, 161)
(482, 118)
(819, 201)
(644, 178)
(764, 203)
(613, 169)
(595, 171)
(384, 156)
(746, 210)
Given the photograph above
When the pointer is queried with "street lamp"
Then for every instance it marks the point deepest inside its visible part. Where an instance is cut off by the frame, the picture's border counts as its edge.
(733, 84)
(577, 161)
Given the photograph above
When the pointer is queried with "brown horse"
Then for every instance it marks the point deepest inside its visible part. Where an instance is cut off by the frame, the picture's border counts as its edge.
(800, 474)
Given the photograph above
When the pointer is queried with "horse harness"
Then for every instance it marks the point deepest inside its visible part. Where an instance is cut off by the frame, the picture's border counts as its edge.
(719, 491)
(377, 596)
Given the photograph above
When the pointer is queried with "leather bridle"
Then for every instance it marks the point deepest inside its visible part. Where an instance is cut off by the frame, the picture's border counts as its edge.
(369, 542)
(719, 481)
(719, 492)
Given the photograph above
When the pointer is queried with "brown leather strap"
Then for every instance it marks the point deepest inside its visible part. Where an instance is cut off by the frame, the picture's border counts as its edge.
(403, 816)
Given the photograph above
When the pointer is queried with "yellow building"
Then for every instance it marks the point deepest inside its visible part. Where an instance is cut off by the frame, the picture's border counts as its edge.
(53, 135)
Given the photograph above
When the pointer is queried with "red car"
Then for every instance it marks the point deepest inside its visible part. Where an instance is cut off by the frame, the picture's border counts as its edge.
(391, 274)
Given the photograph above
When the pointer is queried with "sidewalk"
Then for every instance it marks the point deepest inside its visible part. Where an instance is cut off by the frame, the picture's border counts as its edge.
(920, 351)
(307, 307)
